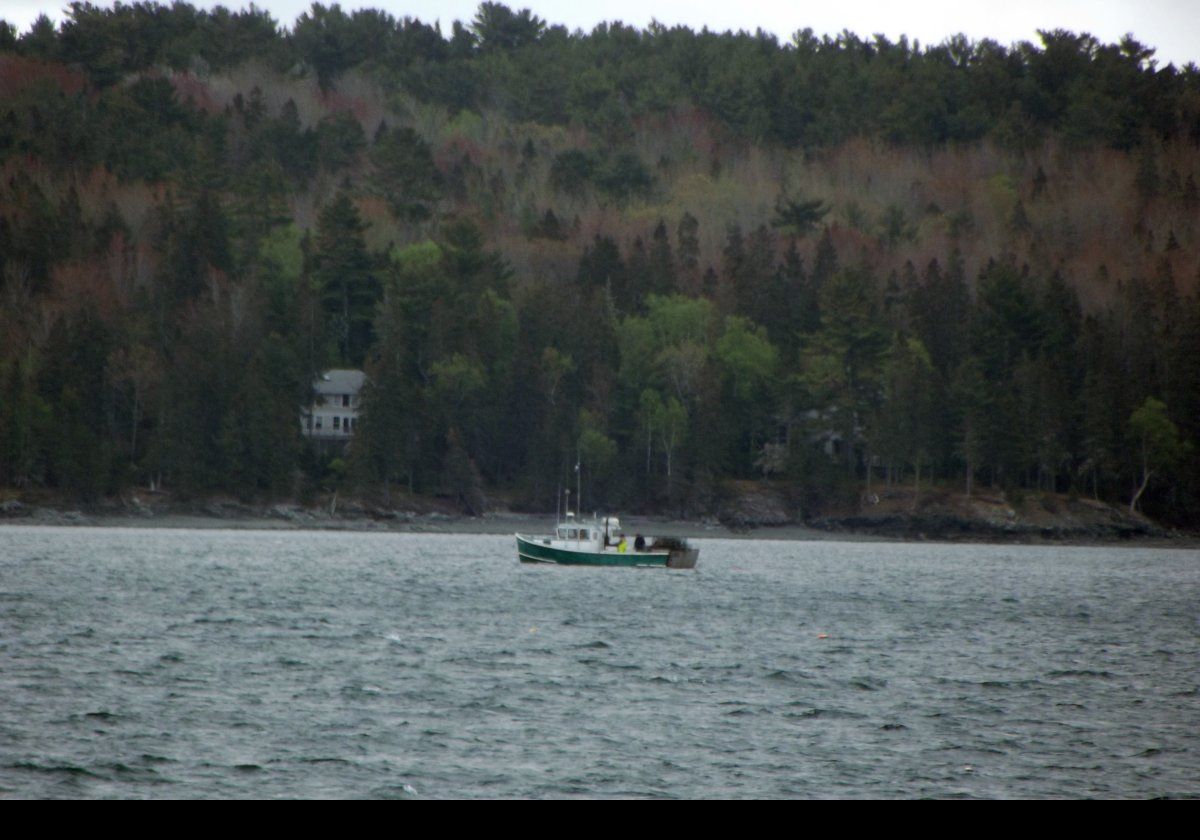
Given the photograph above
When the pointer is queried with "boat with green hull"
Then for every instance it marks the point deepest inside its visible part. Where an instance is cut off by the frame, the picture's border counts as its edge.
(601, 543)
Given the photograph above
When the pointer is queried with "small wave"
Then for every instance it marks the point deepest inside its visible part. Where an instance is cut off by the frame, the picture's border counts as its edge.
(1080, 672)
(359, 690)
(150, 758)
(804, 712)
(56, 769)
(747, 711)
(396, 792)
(810, 712)
(596, 645)
(868, 683)
(1008, 683)
(783, 675)
(144, 774)
(616, 666)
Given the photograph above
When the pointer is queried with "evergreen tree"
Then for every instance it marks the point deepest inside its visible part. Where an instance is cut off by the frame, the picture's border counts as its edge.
(345, 274)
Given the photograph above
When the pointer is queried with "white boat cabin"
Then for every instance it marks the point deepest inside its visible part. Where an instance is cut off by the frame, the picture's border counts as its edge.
(588, 536)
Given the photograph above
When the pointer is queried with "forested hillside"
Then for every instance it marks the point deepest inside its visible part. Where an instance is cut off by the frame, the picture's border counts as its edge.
(678, 258)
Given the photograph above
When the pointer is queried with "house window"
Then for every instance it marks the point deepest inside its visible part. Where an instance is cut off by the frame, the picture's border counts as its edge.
(318, 424)
(345, 400)
(337, 423)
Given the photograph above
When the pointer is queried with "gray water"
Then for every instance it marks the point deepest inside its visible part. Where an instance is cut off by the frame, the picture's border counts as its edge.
(167, 663)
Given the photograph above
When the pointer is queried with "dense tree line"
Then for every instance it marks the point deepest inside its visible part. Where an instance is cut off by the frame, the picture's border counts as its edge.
(175, 267)
(808, 91)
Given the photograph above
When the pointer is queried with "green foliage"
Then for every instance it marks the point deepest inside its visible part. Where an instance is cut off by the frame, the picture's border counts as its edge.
(456, 381)
(496, 27)
(24, 423)
(344, 273)
(339, 140)
(461, 478)
(840, 365)
(329, 41)
(625, 177)
(748, 356)
(179, 256)
(811, 92)
(621, 176)
(798, 217)
(283, 249)
(405, 174)
(572, 171)
(260, 434)
(905, 425)
(1157, 442)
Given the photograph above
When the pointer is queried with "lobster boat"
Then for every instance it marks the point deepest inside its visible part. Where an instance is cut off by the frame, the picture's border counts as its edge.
(601, 542)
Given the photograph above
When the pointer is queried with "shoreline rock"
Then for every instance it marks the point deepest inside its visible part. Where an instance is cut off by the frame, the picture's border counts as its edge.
(751, 510)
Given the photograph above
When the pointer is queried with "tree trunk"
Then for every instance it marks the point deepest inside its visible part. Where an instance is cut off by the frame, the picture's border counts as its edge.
(1142, 489)
(916, 484)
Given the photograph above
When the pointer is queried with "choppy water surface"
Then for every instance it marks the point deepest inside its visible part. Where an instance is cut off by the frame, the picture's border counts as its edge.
(154, 663)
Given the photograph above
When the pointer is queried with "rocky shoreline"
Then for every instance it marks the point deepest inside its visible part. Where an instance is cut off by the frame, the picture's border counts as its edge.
(903, 513)
(755, 512)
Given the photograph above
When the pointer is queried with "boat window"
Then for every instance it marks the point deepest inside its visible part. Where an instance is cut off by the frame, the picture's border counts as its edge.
(583, 533)
(572, 534)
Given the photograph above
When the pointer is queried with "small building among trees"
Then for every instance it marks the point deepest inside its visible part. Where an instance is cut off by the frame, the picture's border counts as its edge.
(333, 413)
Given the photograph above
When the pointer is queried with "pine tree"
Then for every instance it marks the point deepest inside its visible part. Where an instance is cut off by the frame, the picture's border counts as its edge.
(344, 272)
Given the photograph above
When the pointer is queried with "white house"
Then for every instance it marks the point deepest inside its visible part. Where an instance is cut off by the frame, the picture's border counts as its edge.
(333, 414)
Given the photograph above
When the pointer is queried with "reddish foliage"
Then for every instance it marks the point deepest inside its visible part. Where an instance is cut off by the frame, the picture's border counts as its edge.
(18, 73)
(336, 102)
(191, 90)
(852, 245)
(372, 208)
(84, 286)
(458, 150)
(701, 131)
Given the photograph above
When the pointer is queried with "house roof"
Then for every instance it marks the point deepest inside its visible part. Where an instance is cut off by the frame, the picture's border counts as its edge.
(339, 382)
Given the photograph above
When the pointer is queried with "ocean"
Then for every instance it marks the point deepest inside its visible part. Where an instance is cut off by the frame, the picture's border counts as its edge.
(144, 663)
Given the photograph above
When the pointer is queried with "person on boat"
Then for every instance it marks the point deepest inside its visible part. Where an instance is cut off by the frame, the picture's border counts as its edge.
(639, 543)
(621, 546)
